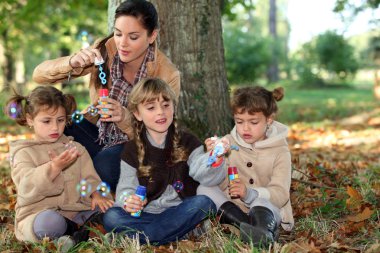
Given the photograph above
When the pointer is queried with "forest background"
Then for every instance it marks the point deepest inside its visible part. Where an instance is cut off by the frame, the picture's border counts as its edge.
(332, 87)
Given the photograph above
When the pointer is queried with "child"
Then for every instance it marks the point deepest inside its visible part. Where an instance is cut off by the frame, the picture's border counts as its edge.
(259, 200)
(47, 170)
(158, 158)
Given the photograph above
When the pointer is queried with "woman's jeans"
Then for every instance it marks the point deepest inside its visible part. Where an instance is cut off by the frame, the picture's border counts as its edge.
(161, 228)
(106, 161)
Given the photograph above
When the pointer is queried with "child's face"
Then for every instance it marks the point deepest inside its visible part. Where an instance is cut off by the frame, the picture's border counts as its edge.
(48, 124)
(156, 115)
(251, 127)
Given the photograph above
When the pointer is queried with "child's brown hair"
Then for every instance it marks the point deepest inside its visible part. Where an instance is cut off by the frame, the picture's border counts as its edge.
(256, 99)
(41, 98)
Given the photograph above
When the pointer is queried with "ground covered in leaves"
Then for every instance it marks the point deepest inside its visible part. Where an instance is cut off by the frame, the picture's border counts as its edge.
(335, 196)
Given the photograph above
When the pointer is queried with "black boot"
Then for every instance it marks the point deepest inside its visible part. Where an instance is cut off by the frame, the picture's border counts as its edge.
(83, 233)
(232, 214)
(262, 228)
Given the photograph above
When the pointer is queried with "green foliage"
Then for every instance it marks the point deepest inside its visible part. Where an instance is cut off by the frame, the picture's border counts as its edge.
(247, 54)
(228, 5)
(335, 55)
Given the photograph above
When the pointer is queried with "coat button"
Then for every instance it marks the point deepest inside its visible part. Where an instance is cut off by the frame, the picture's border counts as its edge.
(249, 164)
(251, 181)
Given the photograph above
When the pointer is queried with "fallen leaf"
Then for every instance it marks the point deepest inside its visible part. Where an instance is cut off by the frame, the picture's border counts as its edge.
(366, 214)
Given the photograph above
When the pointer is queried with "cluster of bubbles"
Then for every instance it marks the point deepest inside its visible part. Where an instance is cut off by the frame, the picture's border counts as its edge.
(178, 186)
(77, 116)
(84, 188)
(69, 145)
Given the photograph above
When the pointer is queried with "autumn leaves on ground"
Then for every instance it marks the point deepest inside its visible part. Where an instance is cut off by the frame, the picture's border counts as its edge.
(335, 196)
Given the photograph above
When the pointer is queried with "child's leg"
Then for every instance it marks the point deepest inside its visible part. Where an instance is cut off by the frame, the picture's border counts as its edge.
(50, 224)
(228, 211)
(263, 225)
(266, 203)
(164, 227)
(175, 222)
(214, 193)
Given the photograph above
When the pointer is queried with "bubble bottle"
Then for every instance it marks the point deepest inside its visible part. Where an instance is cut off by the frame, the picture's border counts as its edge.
(232, 175)
(141, 192)
(103, 93)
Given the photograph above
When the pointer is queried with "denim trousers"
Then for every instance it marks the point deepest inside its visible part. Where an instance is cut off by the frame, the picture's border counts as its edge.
(162, 228)
(106, 161)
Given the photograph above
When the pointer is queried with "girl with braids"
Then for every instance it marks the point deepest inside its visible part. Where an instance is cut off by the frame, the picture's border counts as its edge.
(46, 170)
(159, 158)
(259, 200)
(130, 53)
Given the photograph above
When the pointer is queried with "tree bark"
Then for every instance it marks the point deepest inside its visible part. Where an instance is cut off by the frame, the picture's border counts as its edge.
(191, 36)
(273, 68)
(8, 66)
(112, 5)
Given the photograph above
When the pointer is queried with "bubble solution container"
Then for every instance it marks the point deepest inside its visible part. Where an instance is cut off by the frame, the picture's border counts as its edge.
(141, 192)
(232, 175)
(103, 93)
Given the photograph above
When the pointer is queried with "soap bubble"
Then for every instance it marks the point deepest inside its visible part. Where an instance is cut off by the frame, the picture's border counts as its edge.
(14, 110)
(77, 117)
(178, 186)
(92, 110)
(103, 188)
(84, 188)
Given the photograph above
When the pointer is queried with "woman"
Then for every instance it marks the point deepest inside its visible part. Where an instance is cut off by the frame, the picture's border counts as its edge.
(130, 53)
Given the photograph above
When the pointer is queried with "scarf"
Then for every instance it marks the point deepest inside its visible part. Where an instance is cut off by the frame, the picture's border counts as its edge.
(109, 133)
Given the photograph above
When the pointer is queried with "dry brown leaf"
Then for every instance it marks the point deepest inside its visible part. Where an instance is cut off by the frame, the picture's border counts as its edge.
(374, 248)
(355, 199)
(364, 215)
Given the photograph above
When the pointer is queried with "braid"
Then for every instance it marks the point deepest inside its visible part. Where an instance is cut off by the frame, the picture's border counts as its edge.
(142, 170)
(179, 153)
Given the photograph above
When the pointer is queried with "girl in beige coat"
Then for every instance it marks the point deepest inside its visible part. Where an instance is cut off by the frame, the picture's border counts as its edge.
(258, 201)
(47, 170)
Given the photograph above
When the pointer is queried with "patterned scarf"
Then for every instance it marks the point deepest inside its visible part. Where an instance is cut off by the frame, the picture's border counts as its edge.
(109, 133)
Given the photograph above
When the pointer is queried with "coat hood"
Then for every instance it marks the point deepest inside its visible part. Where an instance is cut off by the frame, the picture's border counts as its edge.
(276, 136)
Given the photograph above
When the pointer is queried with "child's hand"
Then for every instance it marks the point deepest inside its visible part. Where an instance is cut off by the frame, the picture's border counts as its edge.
(100, 201)
(63, 160)
(134, 204)
(209, 143)
(237, 188)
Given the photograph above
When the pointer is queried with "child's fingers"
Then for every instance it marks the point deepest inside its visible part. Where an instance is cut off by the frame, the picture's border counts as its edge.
(52, 154)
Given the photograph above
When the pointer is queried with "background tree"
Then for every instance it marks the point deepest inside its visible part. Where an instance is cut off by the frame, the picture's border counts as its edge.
(273, 68)
(191, 36)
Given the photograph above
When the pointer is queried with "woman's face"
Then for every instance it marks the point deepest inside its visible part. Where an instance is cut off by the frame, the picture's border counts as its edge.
(132, 39)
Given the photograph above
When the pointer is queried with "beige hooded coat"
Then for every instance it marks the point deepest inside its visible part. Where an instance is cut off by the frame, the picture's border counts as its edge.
(30, 168)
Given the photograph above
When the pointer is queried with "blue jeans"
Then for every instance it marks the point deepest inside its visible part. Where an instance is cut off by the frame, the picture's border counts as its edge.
(162, 228)
(106, 161)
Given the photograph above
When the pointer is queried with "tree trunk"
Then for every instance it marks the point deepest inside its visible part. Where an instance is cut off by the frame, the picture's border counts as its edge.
(273, 68)
(191, 36)
(112, 5)
(8, 66)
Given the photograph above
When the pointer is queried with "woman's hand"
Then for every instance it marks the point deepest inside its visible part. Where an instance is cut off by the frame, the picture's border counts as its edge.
(114, 109)
(134, 204)
(100, 201)
(84, 58)
(237, 188)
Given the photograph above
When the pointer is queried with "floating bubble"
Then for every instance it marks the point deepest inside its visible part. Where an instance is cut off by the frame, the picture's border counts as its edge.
(178, 186)
(13, 110)
(92, 110)
(124, 196)
(69, 145)
(77, 117)
(84, 188)
(103, 188)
